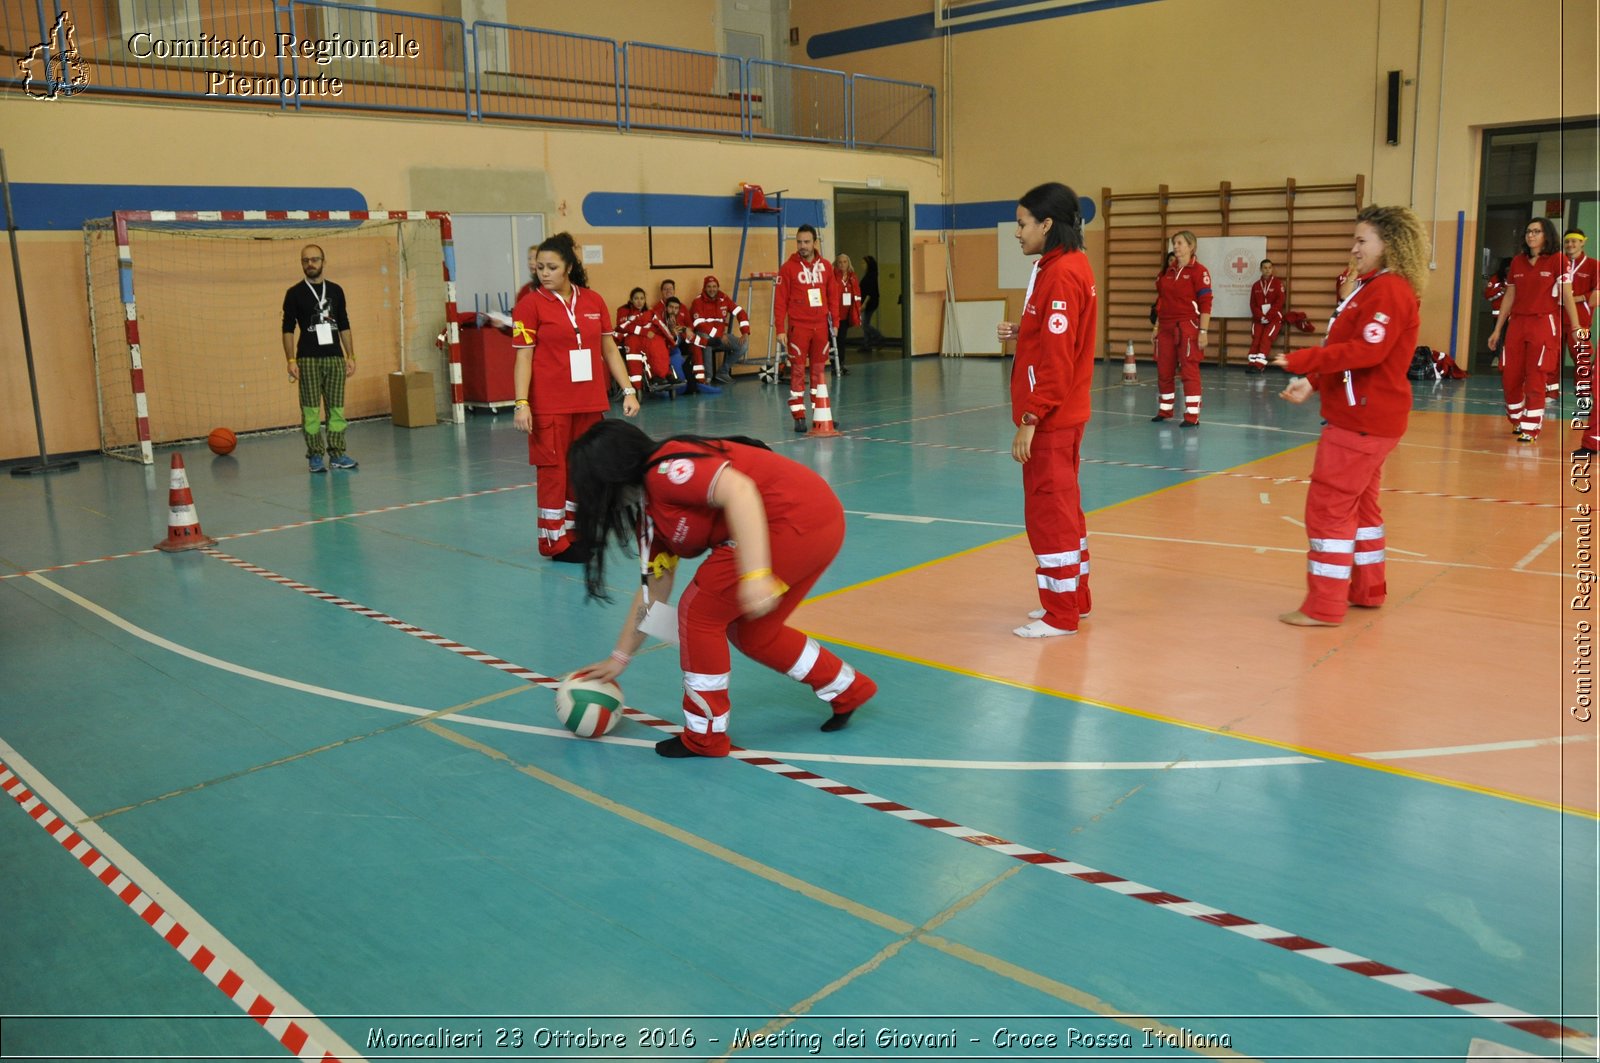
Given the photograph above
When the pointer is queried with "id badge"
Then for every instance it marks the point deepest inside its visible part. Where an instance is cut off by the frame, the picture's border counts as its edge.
(324, 333)
(814, 296)
(582, 365)
(661, 622)
(846, 298)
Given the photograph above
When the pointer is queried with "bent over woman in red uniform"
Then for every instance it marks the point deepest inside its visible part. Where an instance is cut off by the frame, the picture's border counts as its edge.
(1360, 373)
(1050, 382)
(771, 526)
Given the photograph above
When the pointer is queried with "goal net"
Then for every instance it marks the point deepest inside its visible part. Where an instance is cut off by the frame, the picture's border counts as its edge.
(186, 311)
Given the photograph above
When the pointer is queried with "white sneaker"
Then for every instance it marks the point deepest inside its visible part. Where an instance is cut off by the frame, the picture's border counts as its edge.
(1039, 630)
(1038, 614)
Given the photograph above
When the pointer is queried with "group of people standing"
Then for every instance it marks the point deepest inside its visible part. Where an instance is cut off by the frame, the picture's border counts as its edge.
(1545, 299)
(1359, 372)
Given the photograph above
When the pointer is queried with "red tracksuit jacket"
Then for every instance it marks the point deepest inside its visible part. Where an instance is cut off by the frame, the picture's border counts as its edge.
(1055, 343)
(1360, 370)
(1266, 301)
(807, 295)
(1183, 294)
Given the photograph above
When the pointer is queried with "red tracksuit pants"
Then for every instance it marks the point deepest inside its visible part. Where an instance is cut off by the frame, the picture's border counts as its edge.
(1345, 524)
(1532, 352)
(1057, 532)
(552, 434)
(710, 617)
(808, 351)
(1261, 337)
(1178, 353)
(648, 352)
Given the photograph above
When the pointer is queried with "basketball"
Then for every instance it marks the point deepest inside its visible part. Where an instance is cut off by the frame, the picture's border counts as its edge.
(222, 440)
(588, 707)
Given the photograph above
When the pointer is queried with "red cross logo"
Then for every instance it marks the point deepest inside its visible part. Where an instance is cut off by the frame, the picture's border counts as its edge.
(1240, 264)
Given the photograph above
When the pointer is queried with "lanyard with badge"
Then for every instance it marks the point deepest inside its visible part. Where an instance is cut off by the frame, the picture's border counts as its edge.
(660, 619)
(1349, 376)
(581, 358)
(324, 326)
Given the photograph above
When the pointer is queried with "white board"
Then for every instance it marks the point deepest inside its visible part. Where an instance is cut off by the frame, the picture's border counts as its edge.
(974, 327)
(1015, 267)
(1235, 265)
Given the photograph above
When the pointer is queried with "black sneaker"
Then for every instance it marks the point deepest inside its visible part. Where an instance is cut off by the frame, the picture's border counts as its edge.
(800, 425)
(576, 554)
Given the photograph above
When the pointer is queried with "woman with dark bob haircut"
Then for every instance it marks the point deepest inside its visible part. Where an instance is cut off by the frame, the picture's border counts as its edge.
(1050, 383)
(772, 527)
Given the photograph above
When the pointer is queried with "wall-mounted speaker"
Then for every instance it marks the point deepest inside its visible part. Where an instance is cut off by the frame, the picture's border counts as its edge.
(1392, 121)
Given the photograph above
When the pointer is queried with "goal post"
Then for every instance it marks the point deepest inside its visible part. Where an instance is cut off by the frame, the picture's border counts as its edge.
(185, 313)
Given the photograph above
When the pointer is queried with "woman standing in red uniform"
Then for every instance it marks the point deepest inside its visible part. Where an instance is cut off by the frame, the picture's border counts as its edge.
(561, 332)
(771, 525)
(1537, 297)
(1366, 399)
(849, 303)
(1183, 317)
(1050, 382)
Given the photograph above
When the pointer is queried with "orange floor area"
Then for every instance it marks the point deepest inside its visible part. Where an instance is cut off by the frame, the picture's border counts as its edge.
(1188, 583)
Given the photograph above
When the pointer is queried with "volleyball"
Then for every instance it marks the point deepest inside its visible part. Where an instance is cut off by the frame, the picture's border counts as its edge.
(587, 707)
(222, 440)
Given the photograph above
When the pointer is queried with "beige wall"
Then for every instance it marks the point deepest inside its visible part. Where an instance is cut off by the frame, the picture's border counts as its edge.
(1190, 93)
(396, 164)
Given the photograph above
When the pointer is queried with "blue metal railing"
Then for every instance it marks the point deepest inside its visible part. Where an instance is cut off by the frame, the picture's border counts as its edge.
(303, 54)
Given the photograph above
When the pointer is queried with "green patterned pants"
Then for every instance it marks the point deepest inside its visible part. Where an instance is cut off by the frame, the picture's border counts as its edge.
(322, 381)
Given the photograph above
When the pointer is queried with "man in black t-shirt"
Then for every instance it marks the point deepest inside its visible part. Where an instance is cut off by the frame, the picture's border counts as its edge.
(324, 357)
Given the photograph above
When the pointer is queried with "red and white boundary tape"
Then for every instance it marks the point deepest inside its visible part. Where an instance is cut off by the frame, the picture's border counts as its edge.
(283, 527)
(1473, 1004)
(287, 1032)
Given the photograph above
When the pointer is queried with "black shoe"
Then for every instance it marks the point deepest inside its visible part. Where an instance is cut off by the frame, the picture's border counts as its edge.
(800, 425)
(673, 747)
(1583, 452)
(1158, 418)
(1189, 424)
(576, 554)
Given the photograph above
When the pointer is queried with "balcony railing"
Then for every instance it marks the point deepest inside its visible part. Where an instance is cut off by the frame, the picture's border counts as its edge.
(324, 55)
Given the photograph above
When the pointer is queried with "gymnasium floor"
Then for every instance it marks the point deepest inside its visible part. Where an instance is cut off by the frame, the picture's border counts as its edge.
(318, 769)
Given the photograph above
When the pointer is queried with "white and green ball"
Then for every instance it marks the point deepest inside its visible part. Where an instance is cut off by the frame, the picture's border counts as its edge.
(588, 708)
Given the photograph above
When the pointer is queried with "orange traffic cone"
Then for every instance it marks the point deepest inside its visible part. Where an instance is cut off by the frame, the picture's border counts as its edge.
(1130, 367)
(821, 413)
(183, 525)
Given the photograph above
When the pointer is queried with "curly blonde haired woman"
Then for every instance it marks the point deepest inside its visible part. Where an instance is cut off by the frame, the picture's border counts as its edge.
(1360, 373)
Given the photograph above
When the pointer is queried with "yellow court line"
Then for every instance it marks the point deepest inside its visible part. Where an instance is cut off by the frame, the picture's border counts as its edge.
(811, 891)
(1309, 751)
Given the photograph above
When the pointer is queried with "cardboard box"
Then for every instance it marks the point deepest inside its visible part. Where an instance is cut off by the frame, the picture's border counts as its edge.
(411, 399)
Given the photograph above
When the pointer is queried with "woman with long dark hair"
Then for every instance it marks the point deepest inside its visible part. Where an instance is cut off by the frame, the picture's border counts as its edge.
(1360, 372)
(561, 331)
(1050, 403)
(1538, 297)
(870, 335)
(771, 526)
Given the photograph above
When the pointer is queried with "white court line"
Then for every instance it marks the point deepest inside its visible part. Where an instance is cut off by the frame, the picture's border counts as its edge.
(1537, 550)
(200, 929)
(911, 519)
(1485, 747)
(829, 758)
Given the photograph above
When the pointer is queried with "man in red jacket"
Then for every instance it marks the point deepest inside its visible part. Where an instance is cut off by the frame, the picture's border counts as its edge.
(1266, 316)
(709, 317)
(807, 298)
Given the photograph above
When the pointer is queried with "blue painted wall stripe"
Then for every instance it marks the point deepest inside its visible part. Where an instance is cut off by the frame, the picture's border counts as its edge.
(921, 27)
(979, 215)
(64, 207)
(609, 210)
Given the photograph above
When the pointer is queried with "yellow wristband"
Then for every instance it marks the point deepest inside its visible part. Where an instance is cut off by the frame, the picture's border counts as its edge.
(292, 361)
(760, 573)
(519, 404)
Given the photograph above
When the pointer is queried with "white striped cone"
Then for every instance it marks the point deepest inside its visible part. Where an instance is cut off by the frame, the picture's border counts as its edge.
(183, 523)
(821, 413)
(1130, 366)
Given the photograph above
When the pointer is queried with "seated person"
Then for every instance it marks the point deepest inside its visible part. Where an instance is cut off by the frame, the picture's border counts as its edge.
(709, 321)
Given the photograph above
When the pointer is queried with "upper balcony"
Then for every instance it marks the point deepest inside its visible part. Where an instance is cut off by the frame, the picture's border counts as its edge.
(313, 54)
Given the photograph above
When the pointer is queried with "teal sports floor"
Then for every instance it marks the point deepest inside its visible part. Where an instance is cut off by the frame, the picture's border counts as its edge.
(306, 795)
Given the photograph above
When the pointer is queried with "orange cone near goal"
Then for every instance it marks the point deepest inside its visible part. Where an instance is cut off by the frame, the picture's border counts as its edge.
(821, 413)
(183, 525)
